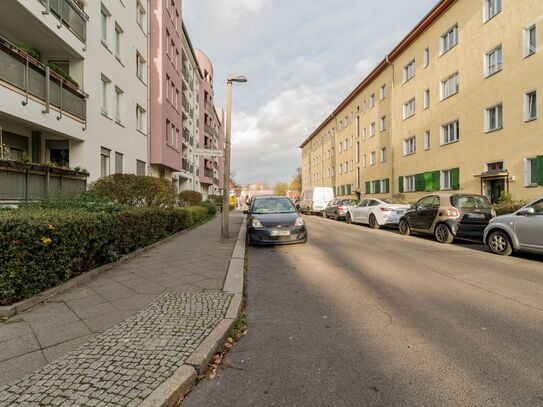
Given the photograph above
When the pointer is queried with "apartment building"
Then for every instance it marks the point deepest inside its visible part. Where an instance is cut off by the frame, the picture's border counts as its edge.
(454, 106)
(57, 105)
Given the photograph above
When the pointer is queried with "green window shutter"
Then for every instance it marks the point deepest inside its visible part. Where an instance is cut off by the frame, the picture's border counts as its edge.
(377, 187)
(349, 189)
(455, 175)
(539, 164)
(400, 184)
(387, 186)
(436, 180)
(368, 187)
(342, 190)
(419, 182)
(428, 182)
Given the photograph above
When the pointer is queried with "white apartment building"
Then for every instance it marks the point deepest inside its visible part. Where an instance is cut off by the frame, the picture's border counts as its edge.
(97, 119)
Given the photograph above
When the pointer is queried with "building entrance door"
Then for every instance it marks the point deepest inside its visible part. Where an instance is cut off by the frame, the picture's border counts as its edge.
(494, 188)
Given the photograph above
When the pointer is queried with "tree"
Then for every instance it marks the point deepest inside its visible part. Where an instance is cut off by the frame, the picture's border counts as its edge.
(296, 183)
(281, 188)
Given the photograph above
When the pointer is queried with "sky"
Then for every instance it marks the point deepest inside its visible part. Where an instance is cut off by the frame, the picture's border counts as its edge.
(301, 59)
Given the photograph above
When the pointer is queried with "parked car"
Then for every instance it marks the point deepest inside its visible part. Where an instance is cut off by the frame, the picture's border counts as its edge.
(315, 199)
(377, 212)
(519, 231)
(448, 215)
(274, 220)
(338, 208)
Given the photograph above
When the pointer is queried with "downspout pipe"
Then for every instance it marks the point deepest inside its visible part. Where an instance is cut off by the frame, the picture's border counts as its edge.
(391, 132)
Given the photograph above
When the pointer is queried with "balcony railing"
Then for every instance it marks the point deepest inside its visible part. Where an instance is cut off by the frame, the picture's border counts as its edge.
(187, 166)
(22, 71)
(208, 173)
(210, 130)
(69, 14)
(210, 109)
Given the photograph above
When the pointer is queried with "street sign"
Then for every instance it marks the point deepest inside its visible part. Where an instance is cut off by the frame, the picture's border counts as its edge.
(208, 152)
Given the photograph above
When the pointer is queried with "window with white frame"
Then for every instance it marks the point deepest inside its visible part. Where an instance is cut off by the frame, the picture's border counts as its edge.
(340, 169)
(357, 126)
(410, 146)
(383, 155)
(357, 153)
(494, 118)
(409, 71)
(450, 86)
(118, 104)
(449, 39)
(168, 129)
(530, 40)
(140, 66)
(530, 106)
(426, 57)
(427, 140)
(383, 123)
(118, 40)
(426, 98)
(494, 61)
(383, 188)
(104, 16)
(531, 172)
(340, 147)
(383, 92)
(446, 180)
(450, 132)
(409, 183)
(104, 91)
(140, 118)
(364, 163)
(105, 155)
(492, 8)
(140, 15)
(373, 158)
(372, 129)
(409, 109)
(372, 100)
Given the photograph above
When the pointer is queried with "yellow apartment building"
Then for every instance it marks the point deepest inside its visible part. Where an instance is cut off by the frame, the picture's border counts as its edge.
(454, 106)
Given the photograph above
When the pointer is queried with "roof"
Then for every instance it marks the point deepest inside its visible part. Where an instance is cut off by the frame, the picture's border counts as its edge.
(428, 20)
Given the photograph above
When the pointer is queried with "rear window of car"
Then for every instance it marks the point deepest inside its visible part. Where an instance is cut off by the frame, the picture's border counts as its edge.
(348, 202)
(467, 202)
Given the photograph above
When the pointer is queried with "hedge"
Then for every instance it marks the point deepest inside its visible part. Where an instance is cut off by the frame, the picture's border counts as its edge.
(40, 249)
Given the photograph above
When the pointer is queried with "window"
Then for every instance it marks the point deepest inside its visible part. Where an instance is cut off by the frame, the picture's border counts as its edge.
(409, 71)
(449, 39)
(531, 172)
(446, 180)
(385, 186)
(531, 106)
(140, 66)
(140, 118)
(340, 147)
(372, 129)
(427, 140)
(450, 133)
(168, 45)
(530, 38)
(383, 92)
(118, 103)
(409, 183)
(409, 109)
(372, 100)
(364, 164)
(383, 155)
(492, 8)
(410, 146)
(494, 61)
(104, 90)
(140, 16)
(364, 133)
(383, 123)
(118, 163)
(118, 39)
(104, 161)
(340, 170)
(373, 158)
(140, 167)
(168, 129)
(357, 151)
(426, 57)
(494, 118)
(357, 127)
(427, 98)
(103, 24)
(450, 86)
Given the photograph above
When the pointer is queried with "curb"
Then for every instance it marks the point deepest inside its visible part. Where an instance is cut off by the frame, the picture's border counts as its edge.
(8, 311)
(171, 392)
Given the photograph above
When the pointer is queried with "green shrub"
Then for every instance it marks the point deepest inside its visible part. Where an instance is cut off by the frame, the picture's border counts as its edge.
(41, 248)
(211, 209)
(86, 201)
(190, 197)
(506, 208)
(135, 190)
(215, 199)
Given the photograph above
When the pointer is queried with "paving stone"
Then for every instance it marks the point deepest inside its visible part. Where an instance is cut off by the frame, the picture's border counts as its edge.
(10, 330)
(48, 315)
(50, 336)
(54, 352)
(14, 368)
(18, 346)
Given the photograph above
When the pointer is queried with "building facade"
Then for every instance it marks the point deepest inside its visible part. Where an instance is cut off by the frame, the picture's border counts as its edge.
(454, 106)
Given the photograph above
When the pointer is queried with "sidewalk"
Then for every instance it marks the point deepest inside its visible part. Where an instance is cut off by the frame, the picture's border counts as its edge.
(156, 308)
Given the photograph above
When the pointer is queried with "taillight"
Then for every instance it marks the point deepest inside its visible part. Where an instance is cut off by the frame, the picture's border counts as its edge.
(453, 213)
(386, 210)
(340, 207)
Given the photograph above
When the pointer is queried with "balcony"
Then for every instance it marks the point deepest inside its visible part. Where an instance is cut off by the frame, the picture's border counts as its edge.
(208, 173)
(210, 130)
(210, 108)
(36, 81)
(187, 166)
(69, 15)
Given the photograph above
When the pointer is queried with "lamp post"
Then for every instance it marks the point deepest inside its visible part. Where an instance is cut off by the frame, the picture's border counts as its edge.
(226, 188)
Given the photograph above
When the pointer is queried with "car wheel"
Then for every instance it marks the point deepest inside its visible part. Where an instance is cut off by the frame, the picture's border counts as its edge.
(499, 243)
(404, 227)
(348, 218)
(335, 216)
(373, 222)
(443, 234)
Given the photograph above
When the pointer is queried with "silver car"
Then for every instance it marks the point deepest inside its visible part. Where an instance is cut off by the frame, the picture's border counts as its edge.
(519, 231)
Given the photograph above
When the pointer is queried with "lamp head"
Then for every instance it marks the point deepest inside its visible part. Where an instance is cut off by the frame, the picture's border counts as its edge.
(236, 78)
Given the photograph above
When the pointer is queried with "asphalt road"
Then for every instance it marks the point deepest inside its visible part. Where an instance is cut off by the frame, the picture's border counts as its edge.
(361, 317)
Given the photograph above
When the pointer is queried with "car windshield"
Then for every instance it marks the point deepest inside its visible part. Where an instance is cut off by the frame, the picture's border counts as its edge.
(273, 205)
(348, 202)
(393, 201)
(470, 202)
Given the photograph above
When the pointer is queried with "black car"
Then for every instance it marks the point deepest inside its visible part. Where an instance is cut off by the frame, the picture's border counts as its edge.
(274, 220)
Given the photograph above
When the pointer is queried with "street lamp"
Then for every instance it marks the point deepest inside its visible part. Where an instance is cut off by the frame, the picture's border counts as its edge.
(226, 188)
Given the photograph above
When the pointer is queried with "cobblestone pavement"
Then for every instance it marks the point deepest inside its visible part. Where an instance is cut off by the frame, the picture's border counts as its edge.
(125, 364)
(195, 261)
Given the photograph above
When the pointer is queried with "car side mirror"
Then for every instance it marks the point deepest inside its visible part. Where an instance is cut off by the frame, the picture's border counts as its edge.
(526, 211)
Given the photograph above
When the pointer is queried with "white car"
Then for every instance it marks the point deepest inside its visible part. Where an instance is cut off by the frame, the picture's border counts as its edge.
(377, 212)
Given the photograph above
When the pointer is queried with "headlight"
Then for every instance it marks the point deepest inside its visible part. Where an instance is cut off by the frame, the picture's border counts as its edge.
(257, 224)
(299, 222)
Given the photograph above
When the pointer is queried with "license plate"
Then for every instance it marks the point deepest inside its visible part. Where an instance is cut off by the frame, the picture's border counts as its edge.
(476, 215)
(280, 233)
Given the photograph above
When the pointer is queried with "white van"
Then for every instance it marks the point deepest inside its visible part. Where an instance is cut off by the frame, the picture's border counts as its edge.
(315, 199)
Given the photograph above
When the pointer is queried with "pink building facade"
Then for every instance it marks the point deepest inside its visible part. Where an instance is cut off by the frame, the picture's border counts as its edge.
(165, 88)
